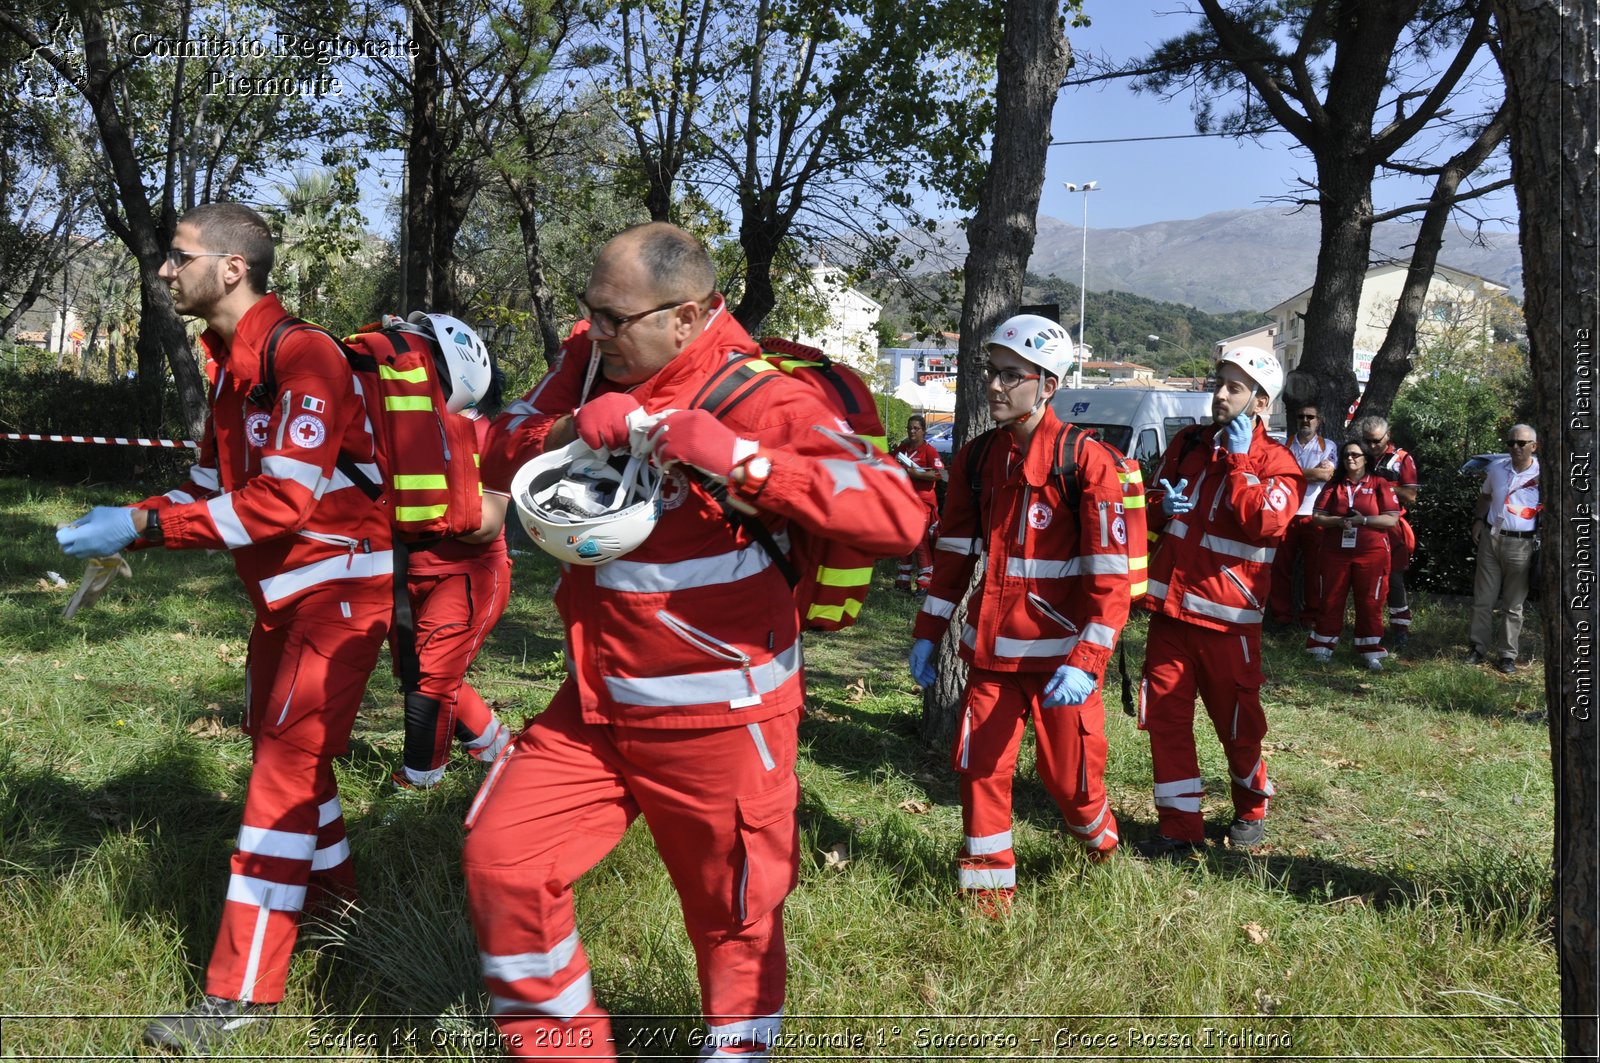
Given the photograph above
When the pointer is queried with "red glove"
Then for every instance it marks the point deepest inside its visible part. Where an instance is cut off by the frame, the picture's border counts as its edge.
(602, 422)
(696, 438)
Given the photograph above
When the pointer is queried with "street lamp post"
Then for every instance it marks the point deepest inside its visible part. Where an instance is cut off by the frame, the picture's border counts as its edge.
(1083, 282)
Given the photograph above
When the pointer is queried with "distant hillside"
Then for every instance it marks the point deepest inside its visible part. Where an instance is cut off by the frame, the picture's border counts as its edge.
(1232, 260)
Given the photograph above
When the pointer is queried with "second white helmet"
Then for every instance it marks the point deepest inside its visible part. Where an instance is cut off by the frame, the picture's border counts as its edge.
(466, 371)
(587, 508)
(1261, 366)
(1038, 339)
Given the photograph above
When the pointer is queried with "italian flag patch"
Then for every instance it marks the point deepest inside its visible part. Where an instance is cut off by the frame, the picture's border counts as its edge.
(315, 405)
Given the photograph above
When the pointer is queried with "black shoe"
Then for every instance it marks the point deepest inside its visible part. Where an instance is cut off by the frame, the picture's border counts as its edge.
(1398, 637)
(1162, 847)
(204, 1026)
(1247, 833)
(1474, 656)
(1507, 665)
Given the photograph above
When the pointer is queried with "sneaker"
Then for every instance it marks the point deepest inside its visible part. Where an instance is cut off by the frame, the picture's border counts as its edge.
(1374, 664)
(1474, 656)
(1320, 653)
(991, 904)
(1162, 847)
(204, 1026)
(1507, 665)
(1247, 833)
(402, 781)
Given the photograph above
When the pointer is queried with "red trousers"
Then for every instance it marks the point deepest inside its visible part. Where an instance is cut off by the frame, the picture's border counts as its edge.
(720, 804)
(453, 613)
(917, 566)
(1224, 668)
(1303, 541)
(1071, 742)
(1367, 574)
(304, 681)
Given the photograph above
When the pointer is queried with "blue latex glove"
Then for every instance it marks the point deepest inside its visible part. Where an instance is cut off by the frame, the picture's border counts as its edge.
(100, 532)
(922, 670)
(1069, 686)
(1240, 431)
(1173, 500)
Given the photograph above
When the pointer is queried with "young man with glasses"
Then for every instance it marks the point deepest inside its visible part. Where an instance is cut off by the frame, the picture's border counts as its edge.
(1316, 456)
(1508, 510)
(1043, 619)
(1394, 464)
(314, 554)
(684, 687)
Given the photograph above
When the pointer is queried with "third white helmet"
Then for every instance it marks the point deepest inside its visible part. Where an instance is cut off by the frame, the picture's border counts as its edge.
(1261, 366)
(1038, 339)
(587, 508)
(466, 370)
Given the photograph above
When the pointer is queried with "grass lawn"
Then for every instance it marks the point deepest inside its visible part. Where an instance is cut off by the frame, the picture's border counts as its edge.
(1402, 907)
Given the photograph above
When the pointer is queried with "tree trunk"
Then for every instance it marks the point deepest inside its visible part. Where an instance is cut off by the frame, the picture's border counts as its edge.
(1550, 69)
(422, 149)
(1034, 56)
(164, 344)
(760, 245)
(544, 309)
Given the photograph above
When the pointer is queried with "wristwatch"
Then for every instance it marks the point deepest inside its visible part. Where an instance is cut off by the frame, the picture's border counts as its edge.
(152, 529)
(756, 468)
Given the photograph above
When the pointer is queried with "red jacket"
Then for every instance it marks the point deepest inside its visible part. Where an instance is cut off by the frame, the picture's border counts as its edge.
(928, 460)
(1055, 580)
(1370, 496)
(1212, 566)
(697, 627)
(265, 487)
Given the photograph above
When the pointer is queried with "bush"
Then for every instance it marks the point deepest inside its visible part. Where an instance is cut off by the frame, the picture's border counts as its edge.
(46, 401)
(894, 413)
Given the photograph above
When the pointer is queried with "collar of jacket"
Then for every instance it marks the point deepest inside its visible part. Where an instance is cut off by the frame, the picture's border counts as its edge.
(1041, 457)
(705, 354)
(250, 334)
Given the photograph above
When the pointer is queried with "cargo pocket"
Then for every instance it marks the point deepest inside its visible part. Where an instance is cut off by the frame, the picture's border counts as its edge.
(769, 835)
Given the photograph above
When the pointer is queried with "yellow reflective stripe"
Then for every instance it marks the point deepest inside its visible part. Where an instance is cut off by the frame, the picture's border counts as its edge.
(1137, 589)
(789, 365)
(834, 612)
(1130, 476)
(843, 577)
(761, 365)
(412, 513)
(407, 403)
(477, 459)
(428, 482)
(410, 376)
(1141, 561)
(1133, 502)
(881, 442)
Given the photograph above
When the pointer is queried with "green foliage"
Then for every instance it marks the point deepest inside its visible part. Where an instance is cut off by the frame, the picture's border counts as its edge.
(41, 400)
(893, 412)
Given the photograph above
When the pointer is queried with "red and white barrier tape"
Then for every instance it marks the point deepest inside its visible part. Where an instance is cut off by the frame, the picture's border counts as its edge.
(116, 441)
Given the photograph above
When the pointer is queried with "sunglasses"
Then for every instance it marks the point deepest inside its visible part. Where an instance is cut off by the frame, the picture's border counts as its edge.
(1355, 454)
(1519, 442)
(178, 259)
(1307, 416)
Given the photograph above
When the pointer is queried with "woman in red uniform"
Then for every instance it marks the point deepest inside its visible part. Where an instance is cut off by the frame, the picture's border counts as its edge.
(1355, 514)
(925, 467)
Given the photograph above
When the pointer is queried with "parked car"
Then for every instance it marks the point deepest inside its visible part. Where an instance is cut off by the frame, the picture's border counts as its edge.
(1138, 421)
(1478, 464)
(940, 437)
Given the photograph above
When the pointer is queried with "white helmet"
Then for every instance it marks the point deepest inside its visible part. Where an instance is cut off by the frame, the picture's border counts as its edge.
(465, 370)
(584, 507)
(1038, 339)
(1259, 365)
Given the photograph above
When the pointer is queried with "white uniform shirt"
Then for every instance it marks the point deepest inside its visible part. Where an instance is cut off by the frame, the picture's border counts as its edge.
(1513, 495)
(1310, 455)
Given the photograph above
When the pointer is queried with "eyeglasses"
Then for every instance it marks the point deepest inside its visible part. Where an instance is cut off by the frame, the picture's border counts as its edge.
(178, 259)
(1519, 442)
(1369, 441)
(607, 323)
(1307, 416)
(1009, 378)
(1355, 454)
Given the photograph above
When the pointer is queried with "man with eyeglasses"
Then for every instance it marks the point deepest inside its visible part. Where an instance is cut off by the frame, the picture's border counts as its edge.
(1394, 464)
(1224, 498)
(1043, 619)
(684, 684)
(1508, 510)
(1302, 541)
(314, 554)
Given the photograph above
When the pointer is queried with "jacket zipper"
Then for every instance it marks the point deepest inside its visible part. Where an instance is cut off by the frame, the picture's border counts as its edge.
(1048, 610)
(1237, 582)
(1022, 516)
(1105, 527)
(711, 646)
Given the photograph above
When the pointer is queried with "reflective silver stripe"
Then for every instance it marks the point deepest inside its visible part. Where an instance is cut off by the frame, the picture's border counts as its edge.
(259, 893)
(301, 472)
(258, 944)
(1178, 786)
(1177, 529)
(179, 496)
(328, 811)
(227, 521)
(989, 843)
(331, 856)
(1099, 635)
(518, 965)
(938, 607)
(1095, 824)
(1095, 564)
(700, 688)
(642, 577)
(1250, 478)
(1244, 648)
(986, 878)
(283, 844)
(1206, 607)
(1371, 640)
(340, 481)
(758, 1031)
(1234, 548)
(761, 747)
(1182, 804)
(345, 566)
(1259, 769)
(564, 1005)
(1004, 647)
(1326, 640)
(964, 547)
(205, 477)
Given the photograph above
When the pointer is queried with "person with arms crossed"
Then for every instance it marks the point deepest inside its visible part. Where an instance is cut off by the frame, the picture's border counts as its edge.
(1224, 497)
(1044, 618)
(276, 486)
(684, 684)
(1303, 540)
(1400, 469)
(1508, 509)
(924, 466)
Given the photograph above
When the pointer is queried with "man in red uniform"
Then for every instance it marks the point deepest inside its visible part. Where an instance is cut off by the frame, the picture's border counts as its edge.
(924, 466)
(1225, 495)
(684, 678)
(1398, 467)
(1303, 540)
(274, 486)
(1041, 625)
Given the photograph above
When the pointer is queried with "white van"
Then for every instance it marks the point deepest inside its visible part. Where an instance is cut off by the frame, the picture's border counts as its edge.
(1140, 422)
